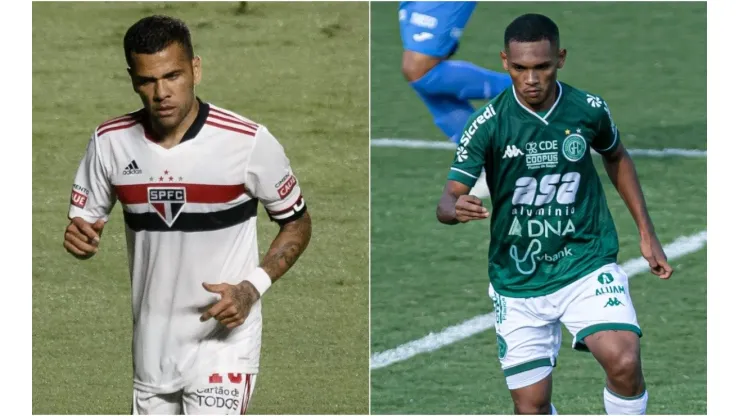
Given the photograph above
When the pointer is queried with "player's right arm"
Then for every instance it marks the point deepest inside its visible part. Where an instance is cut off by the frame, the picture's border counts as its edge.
(90, 204)
(456, 205)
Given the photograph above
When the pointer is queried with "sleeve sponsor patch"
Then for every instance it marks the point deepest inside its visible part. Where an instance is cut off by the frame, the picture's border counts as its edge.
(80, 189)
(78, 199)
(286, 185)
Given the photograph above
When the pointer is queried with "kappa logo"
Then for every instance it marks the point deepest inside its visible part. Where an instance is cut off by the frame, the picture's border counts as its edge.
(613, 302)
(167, 201)
(511, 152)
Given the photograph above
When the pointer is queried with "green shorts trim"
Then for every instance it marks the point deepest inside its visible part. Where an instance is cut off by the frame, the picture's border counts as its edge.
(529, 365)
(590, 330)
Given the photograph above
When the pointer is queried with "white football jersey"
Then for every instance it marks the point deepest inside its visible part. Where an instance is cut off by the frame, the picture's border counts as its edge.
(190, 215)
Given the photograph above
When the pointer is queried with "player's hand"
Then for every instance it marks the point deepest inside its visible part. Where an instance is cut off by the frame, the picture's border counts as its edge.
(81, 238)
(469, 207)
(233, 307)
(653, 252)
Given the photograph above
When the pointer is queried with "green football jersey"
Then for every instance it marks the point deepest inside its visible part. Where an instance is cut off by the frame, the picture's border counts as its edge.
(550, 224)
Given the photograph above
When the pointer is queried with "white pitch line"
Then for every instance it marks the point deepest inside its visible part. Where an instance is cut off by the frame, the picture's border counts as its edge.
(434, 341)
(428, 144)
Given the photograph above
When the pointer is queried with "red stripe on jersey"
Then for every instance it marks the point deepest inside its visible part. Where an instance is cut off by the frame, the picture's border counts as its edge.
(245, 395)
(126, 117)
(121, 127)
(231, 120)
(225, 114)
(194, 192)
(221, 126)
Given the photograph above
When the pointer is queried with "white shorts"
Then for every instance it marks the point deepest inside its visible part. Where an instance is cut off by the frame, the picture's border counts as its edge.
(528, 329)
(208, 394)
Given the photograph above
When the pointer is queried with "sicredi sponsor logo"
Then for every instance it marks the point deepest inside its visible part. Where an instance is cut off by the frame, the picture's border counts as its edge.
(487, 114)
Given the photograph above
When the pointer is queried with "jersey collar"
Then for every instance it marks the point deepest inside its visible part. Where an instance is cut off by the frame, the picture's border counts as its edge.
(200, 121)
(543, 119)
(193, 130)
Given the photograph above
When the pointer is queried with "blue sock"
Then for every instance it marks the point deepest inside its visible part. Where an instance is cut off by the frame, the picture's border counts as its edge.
(449, 113)
(447, 87)
(464, 80)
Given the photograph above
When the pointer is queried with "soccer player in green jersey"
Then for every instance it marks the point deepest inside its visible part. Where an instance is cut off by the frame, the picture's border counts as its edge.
(553, 252)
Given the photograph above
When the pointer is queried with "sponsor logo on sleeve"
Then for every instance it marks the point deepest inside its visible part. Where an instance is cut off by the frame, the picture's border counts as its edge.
(79, 196)
(286, 185)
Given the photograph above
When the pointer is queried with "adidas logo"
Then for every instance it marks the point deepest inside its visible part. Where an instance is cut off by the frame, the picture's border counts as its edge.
(132, 169)
(511, 152)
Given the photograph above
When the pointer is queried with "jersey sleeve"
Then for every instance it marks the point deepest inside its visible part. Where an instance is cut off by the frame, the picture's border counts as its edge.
(271, 180)
(470, 154)
(607, 134)
(92, 193)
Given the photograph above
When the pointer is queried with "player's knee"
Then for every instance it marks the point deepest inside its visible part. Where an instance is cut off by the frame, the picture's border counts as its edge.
(415, 65)
(625, 372)
(530, 407)
(412, 71)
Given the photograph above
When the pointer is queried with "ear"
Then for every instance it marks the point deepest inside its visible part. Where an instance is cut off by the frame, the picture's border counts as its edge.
(197, 70)
(561, 58)
(504, 60)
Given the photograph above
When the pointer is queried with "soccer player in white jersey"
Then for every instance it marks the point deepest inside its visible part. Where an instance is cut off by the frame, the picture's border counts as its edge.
(189, 176)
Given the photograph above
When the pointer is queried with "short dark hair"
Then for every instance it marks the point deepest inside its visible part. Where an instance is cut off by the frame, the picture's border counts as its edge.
(532, 28)
(154, 33)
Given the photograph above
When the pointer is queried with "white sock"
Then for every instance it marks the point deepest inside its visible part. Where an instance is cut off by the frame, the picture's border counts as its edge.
(553, 412)
(620, 405)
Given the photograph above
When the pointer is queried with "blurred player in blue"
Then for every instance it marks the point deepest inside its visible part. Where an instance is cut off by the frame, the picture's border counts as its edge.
(430, 32)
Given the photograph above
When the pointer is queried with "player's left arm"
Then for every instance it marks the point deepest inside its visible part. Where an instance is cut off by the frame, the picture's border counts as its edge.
(623, 175)
(270, 179)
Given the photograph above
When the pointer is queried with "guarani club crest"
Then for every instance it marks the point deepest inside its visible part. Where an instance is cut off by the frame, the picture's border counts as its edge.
(574, 146)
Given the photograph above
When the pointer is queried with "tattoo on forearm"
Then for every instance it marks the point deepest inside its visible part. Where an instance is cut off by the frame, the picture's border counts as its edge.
(287, 247)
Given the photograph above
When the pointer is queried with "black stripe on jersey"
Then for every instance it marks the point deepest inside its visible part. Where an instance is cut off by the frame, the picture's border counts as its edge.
(136, 166)
(193, 221)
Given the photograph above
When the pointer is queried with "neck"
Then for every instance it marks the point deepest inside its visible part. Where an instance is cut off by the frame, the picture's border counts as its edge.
(169, 137)
(552, 95)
